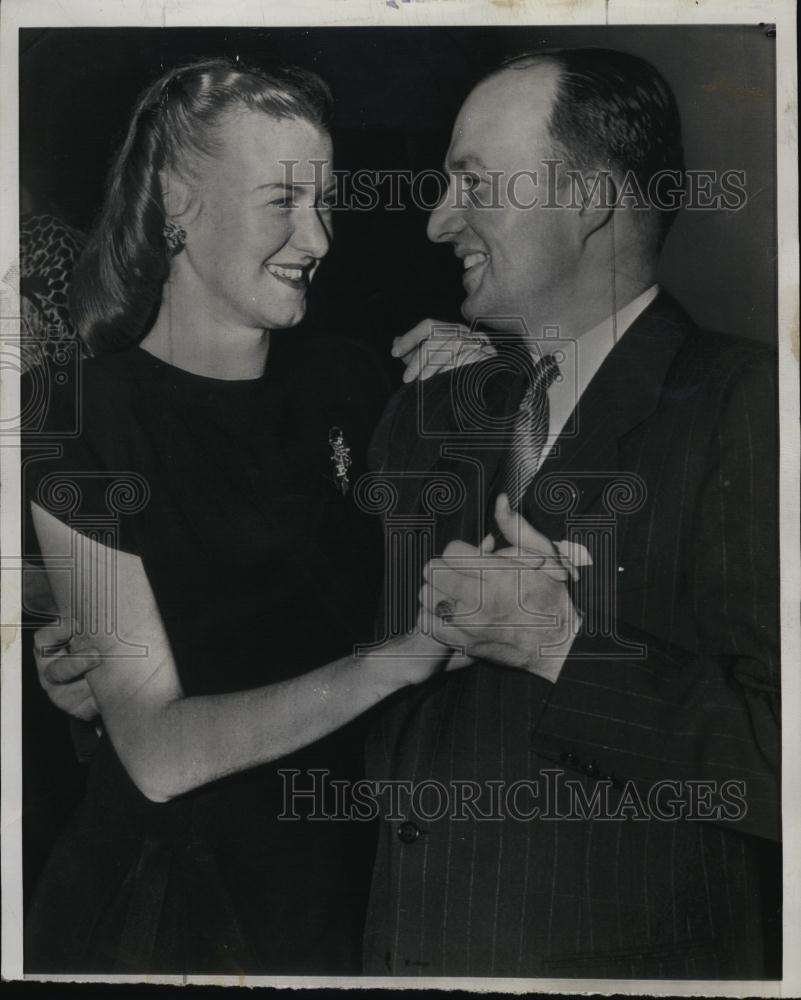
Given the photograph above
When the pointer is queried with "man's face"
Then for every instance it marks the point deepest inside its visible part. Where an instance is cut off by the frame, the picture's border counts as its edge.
(518, 261)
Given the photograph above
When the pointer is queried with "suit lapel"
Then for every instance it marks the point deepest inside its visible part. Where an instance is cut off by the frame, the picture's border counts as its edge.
(625, 390)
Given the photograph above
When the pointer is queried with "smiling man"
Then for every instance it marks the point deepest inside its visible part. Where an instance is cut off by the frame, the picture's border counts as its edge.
(520, 248)
(593, 796)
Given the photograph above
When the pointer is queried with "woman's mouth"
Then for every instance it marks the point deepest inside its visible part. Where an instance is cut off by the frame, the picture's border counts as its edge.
(294, 275)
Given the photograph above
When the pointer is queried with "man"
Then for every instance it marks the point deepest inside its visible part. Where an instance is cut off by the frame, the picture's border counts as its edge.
(609, 765)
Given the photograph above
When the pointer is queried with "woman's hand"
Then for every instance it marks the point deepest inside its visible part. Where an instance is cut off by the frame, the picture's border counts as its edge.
(62, 670)
(433, 346)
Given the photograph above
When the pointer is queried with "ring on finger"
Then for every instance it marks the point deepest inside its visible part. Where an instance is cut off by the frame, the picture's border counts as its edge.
(444, 610)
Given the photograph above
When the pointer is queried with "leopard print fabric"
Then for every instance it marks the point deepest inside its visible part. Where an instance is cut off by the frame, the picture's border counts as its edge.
(49, 249)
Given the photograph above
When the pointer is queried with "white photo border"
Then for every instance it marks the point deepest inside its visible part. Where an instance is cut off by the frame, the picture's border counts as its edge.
(16, 14)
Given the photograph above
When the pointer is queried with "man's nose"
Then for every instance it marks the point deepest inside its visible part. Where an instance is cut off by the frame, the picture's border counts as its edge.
(313, 231)
(445, 221)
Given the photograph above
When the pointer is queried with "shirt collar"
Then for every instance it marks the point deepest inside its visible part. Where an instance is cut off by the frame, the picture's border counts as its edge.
(594, 345)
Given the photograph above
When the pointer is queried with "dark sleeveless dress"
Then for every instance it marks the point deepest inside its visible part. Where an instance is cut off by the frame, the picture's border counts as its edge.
(262, 570)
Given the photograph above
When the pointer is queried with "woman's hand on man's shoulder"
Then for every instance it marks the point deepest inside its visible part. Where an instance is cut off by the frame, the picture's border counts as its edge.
(434, 346)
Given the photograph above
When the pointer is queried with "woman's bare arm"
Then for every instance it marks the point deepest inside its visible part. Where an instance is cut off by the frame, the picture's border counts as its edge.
(170, 743)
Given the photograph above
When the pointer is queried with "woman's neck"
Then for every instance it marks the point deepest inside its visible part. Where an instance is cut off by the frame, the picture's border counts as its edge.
(192, 339)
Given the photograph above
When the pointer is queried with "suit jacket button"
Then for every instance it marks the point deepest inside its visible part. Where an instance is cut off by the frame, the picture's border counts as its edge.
(408, 832)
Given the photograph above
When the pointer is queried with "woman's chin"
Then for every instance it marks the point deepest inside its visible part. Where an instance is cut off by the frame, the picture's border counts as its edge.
(285, 319)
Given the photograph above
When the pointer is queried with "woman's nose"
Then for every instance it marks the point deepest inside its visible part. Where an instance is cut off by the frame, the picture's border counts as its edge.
(313, 231)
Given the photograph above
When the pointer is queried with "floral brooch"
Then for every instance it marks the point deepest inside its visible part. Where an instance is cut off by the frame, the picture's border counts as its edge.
(340, 456)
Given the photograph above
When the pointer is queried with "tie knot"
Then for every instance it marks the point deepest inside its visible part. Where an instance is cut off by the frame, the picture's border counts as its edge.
(544, 372)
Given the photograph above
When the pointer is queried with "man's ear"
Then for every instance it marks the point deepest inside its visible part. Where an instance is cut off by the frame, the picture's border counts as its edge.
(179, 201)
(595, 194)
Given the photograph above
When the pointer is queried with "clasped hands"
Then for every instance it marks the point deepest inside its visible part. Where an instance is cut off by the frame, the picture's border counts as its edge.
(509, 605)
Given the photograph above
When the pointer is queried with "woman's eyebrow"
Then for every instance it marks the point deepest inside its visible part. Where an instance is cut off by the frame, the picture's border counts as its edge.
(276, 184)
(293, 189)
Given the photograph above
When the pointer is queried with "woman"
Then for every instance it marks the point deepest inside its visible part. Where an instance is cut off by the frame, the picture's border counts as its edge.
(224, 605)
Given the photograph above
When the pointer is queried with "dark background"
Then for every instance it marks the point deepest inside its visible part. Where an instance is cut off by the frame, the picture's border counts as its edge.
(397, 92)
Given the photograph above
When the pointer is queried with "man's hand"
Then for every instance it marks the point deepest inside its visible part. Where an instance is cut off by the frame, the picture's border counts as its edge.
(510, 606)
(62, 670)
(434, 346)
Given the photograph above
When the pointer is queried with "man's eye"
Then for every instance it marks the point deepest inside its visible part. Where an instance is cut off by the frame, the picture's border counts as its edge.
(282, 203)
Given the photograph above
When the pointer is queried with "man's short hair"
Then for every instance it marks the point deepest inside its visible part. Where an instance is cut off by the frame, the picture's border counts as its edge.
(613, 111)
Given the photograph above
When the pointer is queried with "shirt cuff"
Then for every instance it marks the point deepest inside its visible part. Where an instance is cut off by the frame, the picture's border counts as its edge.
(549, 666)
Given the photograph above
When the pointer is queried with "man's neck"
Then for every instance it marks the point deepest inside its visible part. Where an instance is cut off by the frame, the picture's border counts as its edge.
(585, 308)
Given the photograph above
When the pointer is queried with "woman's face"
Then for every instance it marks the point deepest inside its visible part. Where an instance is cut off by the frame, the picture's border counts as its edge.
(256, 227)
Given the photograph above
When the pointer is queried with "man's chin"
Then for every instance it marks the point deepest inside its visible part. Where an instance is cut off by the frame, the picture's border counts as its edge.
(469, 308)
(489, 315)
(482, 311)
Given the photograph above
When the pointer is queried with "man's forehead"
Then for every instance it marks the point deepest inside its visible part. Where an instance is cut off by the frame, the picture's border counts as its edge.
(505, 114)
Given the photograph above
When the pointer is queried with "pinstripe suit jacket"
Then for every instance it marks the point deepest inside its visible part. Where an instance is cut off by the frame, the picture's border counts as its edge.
(681, 683)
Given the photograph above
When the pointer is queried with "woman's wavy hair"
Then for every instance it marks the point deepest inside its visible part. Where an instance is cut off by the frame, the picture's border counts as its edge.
(116, 287)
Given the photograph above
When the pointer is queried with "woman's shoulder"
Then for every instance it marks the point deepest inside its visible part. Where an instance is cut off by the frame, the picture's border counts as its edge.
(76, 414)
(76, 435)
(66, 392)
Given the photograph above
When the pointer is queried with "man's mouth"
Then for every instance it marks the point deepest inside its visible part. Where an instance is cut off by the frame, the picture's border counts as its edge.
(295, 275)
(473, 263)
(477, 257)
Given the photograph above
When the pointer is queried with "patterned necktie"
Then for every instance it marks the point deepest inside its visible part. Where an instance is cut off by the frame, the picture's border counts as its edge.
(530, 432)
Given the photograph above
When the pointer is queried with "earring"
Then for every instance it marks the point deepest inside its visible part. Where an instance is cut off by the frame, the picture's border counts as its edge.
(174, 236)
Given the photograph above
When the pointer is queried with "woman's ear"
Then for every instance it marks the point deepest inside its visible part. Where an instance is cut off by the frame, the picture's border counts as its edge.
(179, 203)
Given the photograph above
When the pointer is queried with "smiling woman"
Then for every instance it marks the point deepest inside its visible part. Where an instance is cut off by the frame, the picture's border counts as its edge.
(252, 245)
(239, 573)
